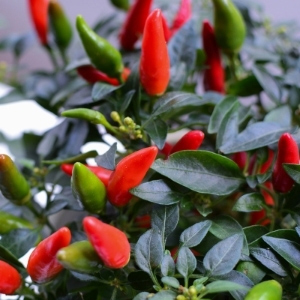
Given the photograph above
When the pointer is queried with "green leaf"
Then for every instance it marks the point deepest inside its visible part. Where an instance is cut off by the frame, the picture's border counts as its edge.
(220, 286)
(167, 265)
(245, 87)
(223, 256)
(55, 206)
(140, 280)
(149, 251)
(268, 82)
(228, 129)
(289, 250)
(157, 191)
(170, 281)
(164, 220)
(249, 202)
(225, 226)
(186, 262)
(293, 170)
(219, 113)
(254, 232)
(192, 236)
(255, 136)
(268, 259)
(7, 256)
(141, 296)
(182, 46)
(164, 295)
(126, 100)
(201, 171)
(281, 115)
(157, 130)
(19, 241)
(101, 90)
(251, 270)
(107, 159)
(84, 61)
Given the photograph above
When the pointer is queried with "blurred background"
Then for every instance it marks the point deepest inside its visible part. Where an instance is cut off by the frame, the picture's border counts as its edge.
(14, 19)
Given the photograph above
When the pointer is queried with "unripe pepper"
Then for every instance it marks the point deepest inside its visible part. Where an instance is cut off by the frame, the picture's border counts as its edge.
(265, 290)
(122, 4)
(92, 75)
(60, 25)
(183, 14)
(110, 243)
(10, 279)
(13, 184)
(214, 75)
(42, 264)
(102, 173)
(102, 54)
(155, 62)
(10, 222)
(39, 15)
(288, 152)
(192, 140)
(88, 189)
(229, 26)
(129, 173)
(79, 257)
(134, 24)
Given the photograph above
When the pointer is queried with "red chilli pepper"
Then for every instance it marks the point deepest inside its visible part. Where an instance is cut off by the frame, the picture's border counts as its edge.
(133, 26)
(42, 264)
(213, 77)
(110, 243)
(39, 15)
(10, 279)
(288, 152)
(184, 13)
(190, 141)
(102, 173)
(92, 75)
(143, 221)
(155, 62)
(167, 31)
(129, 173)
(240, 158)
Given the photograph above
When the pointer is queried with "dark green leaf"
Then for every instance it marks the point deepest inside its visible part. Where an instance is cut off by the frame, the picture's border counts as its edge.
(157, 130)
(140, 280)
(268, 259)
(222, 257)
(249, 202)
(293, 170)
(149, 251)
(19, 241)
(219, 113)
(254, 232)
(186, 262)
(7, 256)
(289, 250)
(201, 171)
(126, 100)
(255, 136)
(157, 191)
(55, 206)
(164, 220)
(107, 160)
(101, 90)
(192, 236)
(245, 87)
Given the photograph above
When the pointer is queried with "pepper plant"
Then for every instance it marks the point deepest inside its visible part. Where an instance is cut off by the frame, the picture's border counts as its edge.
(202, 199)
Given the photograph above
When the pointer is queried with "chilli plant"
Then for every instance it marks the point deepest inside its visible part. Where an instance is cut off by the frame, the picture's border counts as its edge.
(196, 194)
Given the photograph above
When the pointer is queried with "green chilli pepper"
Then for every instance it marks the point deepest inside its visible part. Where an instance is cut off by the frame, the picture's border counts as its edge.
(80, 257)
(266, 290)
(229, 26)
(102, 54)
(88, 189)
(60, 25)
(9, 222)
(13, 184)
(122, 4)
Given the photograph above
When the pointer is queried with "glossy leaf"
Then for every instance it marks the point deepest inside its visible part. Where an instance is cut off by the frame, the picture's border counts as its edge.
(107, 159)
(101, 90)
(157, 130)
(249, 202)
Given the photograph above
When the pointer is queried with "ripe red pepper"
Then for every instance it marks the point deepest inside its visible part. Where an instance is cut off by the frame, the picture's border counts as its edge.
(110, 243)
(267, 164)
(92, 75)
(240, 158)
(143, 221)
(133, 26)
(174, 252)
(129, 173)
(155, 62)
(166, 149)
(184, 13)
(190, 141)
(288, 152)
(213, 77)
(102, 173)
(167, 31)
(10, 279)
(42, 264)
(39, 15)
